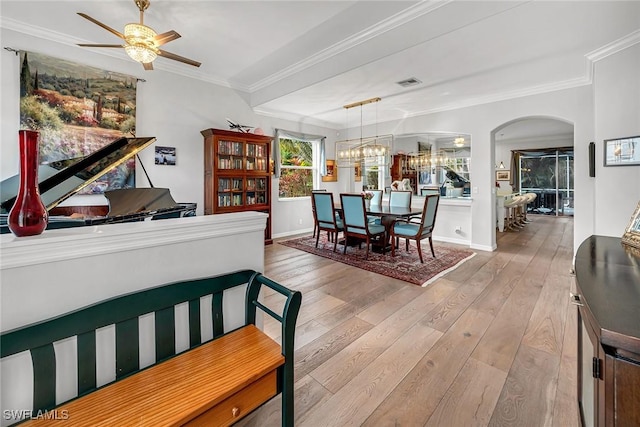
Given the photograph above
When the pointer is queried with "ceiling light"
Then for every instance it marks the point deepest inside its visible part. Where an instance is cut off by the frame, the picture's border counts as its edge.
(459, 142)
(368, 150)
(140, 43)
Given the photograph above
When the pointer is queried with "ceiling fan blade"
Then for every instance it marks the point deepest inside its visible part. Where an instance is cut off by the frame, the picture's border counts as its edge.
(175, 57)
(106, 27)
(100, 45)
(148, 66)
(163, 38)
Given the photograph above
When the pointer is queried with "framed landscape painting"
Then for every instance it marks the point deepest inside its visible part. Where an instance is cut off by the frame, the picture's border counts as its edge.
(77, 110)
(503, 175)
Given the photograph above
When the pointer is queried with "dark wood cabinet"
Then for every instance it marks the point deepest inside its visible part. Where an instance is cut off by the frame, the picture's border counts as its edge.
(608, 299)
(401, 169)
(237, 174)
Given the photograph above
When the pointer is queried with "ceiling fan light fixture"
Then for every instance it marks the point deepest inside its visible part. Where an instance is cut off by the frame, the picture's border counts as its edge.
(138, 32)
(140, 53)
(140, 45)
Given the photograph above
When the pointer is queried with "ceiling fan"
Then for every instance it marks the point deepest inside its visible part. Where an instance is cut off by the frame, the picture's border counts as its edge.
(142, 43)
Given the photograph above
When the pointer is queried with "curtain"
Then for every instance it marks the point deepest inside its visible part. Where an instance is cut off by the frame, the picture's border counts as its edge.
(515, 170)
(323, 157)
(276, 154)
(281, 133)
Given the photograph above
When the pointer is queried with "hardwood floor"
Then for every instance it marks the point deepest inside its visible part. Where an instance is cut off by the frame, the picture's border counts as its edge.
(492, 343)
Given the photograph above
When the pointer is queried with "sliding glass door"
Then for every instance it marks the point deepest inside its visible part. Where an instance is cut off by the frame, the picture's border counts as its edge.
(550, 176)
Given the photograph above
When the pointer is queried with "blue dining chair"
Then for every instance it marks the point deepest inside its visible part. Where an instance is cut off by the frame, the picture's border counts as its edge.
(409, 230)
(400, 198)
(376, 200)
(356, 224)
(325, 217)
(377, 197)
(313, 209)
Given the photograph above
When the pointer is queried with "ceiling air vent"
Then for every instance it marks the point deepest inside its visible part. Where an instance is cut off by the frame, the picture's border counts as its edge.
(412, 81)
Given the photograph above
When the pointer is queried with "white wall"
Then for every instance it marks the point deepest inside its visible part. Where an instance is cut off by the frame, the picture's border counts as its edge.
(617, 115)
(172, 108)
(175, 109)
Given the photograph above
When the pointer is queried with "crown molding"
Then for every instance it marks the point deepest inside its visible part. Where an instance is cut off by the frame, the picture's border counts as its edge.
(38, 32)
(590, 59)
(407, 15)
(297, 118)
(614, 47)
(506, 95)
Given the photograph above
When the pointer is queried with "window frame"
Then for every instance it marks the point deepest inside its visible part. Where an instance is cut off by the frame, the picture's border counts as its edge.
(315, 170)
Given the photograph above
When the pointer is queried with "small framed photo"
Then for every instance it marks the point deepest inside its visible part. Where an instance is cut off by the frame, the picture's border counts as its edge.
(503, 175)
(166, 156)
(332, 172)
(622, 151)
(631, 235)
(358, 173)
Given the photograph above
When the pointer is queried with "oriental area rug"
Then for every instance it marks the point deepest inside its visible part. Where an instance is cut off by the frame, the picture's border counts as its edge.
(404, 266)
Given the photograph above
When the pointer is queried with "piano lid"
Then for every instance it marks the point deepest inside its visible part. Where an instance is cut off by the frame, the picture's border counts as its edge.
(60, 180)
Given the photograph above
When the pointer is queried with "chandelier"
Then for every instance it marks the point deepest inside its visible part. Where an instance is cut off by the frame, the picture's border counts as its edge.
(140, 43)
(372, 150)
(426, 160)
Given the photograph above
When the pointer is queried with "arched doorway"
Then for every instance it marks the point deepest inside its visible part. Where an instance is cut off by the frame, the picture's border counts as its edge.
(535, 155)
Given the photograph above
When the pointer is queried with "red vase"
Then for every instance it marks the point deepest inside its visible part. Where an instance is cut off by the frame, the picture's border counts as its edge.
(28, 216)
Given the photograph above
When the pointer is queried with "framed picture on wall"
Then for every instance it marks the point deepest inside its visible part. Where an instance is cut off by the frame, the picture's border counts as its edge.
(358, 173)
(622, 151)
(332, 172)
(166, 156)
(503, 175)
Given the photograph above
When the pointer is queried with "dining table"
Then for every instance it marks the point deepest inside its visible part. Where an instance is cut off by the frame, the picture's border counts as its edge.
(388, 215)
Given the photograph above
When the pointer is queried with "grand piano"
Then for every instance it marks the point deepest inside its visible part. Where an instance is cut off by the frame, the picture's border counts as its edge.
(62, 179)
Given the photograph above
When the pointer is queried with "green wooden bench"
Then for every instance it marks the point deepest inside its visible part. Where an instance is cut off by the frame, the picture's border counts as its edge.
(212, 383)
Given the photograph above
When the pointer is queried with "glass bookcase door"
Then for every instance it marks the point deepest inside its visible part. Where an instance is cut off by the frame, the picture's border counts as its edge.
(224, 192)
(237, 189)
(256, 157)
(256, 191)
(230, 155)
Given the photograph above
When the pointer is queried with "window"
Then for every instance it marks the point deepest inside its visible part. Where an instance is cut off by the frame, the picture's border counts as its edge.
(551, 178)
(297, 170)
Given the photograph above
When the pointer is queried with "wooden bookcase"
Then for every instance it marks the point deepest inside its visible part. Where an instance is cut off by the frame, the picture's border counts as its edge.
(237, 175)
(400, 169)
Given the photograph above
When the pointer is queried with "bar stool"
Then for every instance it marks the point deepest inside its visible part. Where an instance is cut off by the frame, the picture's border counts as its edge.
(531, 197)
(510, 209)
